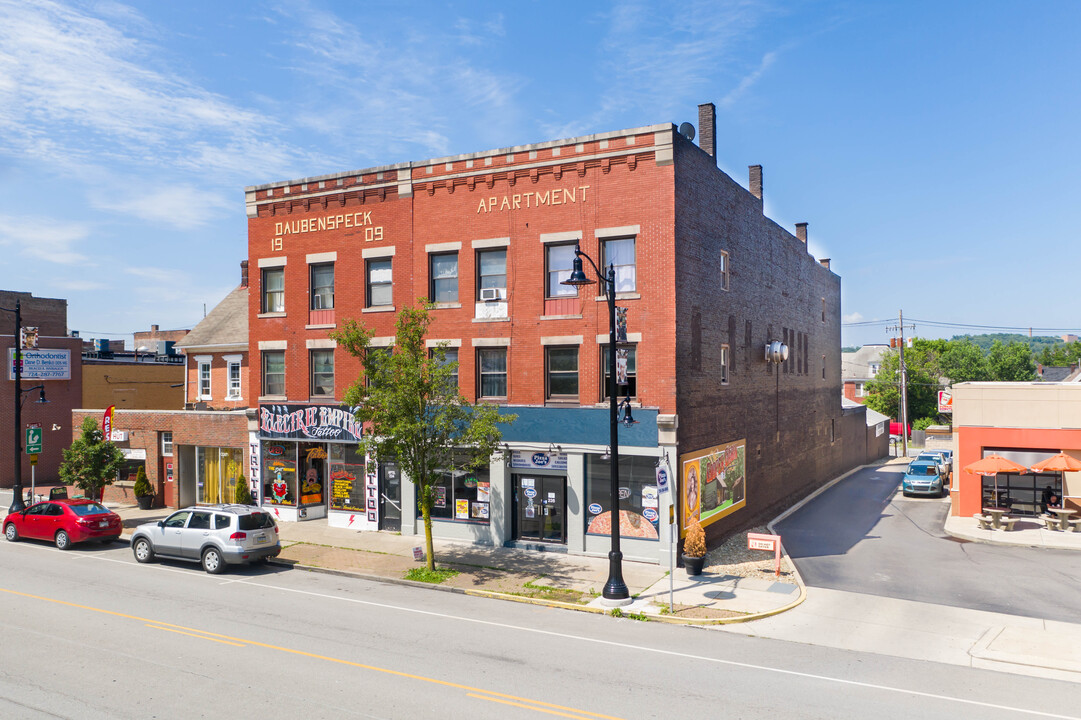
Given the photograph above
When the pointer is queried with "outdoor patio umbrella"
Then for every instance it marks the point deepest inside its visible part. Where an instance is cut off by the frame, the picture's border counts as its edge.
(993, 464)
(1059, 463)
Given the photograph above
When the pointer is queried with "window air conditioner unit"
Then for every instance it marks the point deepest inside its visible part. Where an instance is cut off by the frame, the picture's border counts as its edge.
(490, 294)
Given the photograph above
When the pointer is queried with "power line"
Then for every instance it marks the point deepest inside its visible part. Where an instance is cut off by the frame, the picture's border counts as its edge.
(969, 326)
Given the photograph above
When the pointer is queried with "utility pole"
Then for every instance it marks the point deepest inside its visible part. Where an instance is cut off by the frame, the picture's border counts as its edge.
(904, 387)
(904, 382)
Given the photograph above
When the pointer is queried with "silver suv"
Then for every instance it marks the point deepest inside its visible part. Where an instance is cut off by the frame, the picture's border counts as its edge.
(214, 535)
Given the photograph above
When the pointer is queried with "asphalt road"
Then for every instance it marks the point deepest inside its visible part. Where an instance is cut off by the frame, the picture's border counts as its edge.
(90, 634)
(863, 536)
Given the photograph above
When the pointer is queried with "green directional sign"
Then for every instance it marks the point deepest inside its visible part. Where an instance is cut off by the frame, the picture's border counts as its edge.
(33, 440)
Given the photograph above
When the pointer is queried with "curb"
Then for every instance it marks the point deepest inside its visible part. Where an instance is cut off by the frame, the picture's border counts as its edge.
(534, 601)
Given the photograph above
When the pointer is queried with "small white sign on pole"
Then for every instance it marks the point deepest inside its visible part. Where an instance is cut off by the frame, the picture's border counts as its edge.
(762, 541)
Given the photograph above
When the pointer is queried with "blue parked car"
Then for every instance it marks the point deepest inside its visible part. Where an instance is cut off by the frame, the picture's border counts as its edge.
(923, 477)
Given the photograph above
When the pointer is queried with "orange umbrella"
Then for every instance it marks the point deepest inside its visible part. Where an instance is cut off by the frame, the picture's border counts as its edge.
(1058, 463)
(993, 464)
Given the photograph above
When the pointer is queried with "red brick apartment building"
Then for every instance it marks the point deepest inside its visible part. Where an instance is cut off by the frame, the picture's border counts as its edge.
(710, 286)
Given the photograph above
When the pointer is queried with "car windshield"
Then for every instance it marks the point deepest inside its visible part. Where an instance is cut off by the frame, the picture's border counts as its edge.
(922, 469)
(256, 521)
(89, 509)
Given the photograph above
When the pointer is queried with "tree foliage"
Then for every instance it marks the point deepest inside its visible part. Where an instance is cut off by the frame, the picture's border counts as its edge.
(1060, 355)
(91, 462)
(934, 365)
(412, 410)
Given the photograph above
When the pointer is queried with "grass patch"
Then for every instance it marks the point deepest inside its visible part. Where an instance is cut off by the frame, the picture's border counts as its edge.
(546, 592)
(423, 574)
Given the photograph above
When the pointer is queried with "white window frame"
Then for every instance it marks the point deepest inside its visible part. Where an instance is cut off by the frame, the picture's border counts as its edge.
(203, 383)
(167, 444)
(606, 260)
(233, 361)
(723, 256)
(724, 365)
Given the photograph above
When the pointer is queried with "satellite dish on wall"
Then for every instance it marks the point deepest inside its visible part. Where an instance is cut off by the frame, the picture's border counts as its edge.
(687, 130)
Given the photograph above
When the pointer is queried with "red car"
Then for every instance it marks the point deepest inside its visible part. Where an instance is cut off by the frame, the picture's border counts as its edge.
(64, 522)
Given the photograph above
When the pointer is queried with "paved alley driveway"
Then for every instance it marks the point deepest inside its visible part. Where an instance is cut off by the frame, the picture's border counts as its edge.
(863, 536)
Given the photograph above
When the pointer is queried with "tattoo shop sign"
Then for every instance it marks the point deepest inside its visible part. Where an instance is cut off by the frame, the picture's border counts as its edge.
(308, 422)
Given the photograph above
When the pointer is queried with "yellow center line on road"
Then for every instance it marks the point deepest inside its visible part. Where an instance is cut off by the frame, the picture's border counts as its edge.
(206, 635)
(158, 626)
(577, 714)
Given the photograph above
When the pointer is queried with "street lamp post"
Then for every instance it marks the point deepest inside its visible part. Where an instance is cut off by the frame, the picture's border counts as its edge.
(615, 588)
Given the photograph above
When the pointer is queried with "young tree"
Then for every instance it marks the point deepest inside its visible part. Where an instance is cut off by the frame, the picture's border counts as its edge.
(411, 405)
(91, 462)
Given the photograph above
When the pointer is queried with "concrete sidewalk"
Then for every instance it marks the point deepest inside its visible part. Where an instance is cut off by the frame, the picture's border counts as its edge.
(551, 578)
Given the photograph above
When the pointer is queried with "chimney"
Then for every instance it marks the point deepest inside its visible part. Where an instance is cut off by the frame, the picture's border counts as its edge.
(707, 133)
(154, 328)
(756, 180)
(801, 232)
(243, 273)
(825, 262)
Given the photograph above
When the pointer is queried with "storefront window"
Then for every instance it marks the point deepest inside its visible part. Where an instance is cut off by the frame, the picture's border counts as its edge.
(217, 471)
(638, 504)
(313, 458)
(346, 477)
(1022, 494)
(462, 496)
(280, 473)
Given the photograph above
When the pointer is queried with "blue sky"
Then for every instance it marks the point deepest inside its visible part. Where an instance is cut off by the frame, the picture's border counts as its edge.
(931, 146)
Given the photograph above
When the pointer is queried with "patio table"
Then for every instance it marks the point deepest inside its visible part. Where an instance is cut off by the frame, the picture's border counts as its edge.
(996, 514)
(1063, 516)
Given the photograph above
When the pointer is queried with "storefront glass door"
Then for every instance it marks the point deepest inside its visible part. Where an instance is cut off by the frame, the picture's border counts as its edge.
(540, 508)
(390, 497)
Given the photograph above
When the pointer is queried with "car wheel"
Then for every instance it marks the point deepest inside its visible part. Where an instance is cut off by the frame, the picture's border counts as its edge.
(63, 540)
(212, 561)
(11, 532)
(143, 551)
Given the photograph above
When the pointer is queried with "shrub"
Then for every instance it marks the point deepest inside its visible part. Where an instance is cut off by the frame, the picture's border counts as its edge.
(695, 544)
(142, 486)
(924, 423)
(242, 495)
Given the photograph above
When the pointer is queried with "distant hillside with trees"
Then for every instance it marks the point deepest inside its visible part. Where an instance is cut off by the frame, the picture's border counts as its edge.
(1037, 343)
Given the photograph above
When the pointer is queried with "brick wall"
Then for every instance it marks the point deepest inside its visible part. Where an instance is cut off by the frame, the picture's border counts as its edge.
(144, 428)
(625, 190)
(49, 315)
(219, 381)
(54, 416)
(790, 414)
(132, 385)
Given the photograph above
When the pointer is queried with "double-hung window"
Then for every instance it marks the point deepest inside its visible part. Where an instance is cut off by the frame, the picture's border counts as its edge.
(492, 373)
(561, 364)
(492, 274)
(443, 271)
(232, 365)
(724, 364)
(559, 260)
(204, 380)
(273, 372)
(450, 357)
(273, 290)
(167, 442)
(379, 290)
(619, 253)
(322, 286)
(322, 377)
(722, 278)
(631, 388)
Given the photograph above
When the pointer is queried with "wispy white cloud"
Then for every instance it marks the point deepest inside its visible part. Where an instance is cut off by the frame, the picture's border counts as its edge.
(44, 239)
(749, 80)
(852, 318)
(183, 207)
(78, 86)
